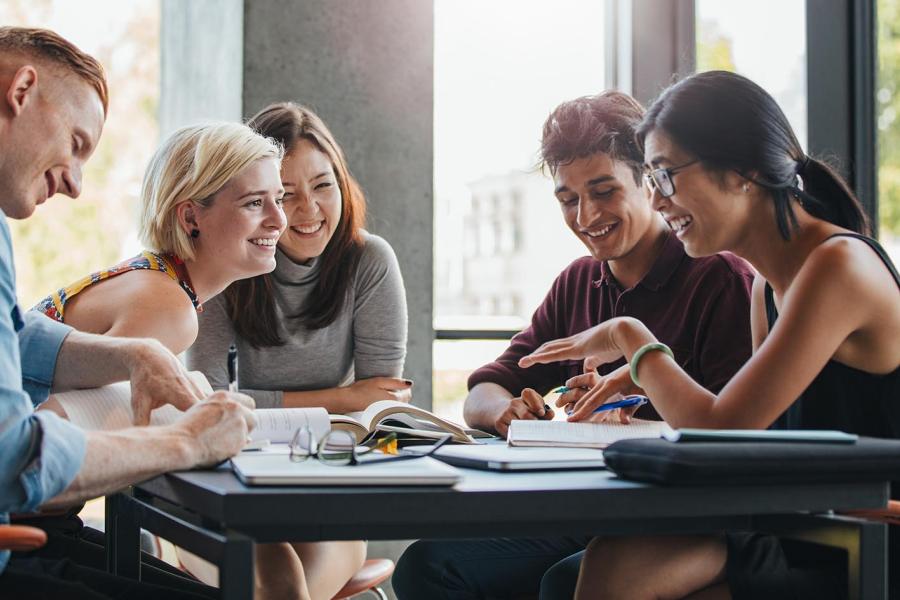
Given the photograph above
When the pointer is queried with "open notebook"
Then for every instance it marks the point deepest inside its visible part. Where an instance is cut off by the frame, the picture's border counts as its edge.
(562, 434)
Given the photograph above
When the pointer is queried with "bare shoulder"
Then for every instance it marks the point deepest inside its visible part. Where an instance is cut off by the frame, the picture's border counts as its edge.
(154, 305)
(851, 263)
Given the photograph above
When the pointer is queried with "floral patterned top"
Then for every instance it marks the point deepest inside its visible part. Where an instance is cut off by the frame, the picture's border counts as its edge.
(54, 305)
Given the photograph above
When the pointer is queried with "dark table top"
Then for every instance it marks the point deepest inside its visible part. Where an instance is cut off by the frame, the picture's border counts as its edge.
(491, 504)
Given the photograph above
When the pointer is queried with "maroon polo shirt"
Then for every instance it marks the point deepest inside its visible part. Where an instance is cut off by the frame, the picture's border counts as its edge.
(699, 307)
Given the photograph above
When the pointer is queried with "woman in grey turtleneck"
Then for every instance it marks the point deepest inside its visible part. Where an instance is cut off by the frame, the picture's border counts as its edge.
(328, 326)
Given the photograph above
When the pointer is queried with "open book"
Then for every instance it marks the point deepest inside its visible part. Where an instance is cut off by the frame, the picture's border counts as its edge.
(109, 407)
(562, 434)
(406, 420)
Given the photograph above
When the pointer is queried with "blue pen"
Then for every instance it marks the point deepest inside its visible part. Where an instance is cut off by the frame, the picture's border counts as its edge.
(623, 403)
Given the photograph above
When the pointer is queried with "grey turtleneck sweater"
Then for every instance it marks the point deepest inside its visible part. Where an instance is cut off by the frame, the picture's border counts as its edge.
(368, 338)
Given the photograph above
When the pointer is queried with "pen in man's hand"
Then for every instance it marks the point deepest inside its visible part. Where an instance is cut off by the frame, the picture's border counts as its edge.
(232, 369)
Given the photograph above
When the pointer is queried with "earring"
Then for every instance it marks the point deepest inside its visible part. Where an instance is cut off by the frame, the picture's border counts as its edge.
(195, 233)
(746, 188)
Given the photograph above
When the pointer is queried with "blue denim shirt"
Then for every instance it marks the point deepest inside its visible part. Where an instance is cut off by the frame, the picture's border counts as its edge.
(40, 454)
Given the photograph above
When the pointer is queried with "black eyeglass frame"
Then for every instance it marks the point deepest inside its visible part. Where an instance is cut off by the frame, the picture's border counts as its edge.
(661, 181)
(333, 458)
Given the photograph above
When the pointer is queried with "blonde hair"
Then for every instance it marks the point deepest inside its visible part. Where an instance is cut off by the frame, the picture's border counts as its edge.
(192, 165)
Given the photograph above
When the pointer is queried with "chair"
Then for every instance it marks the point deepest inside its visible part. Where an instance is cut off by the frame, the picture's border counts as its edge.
(889, 514)
(373, 573)
(21, 538)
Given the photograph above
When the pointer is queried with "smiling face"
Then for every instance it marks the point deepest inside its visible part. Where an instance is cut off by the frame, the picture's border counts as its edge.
(239, 229)
(50, 136)
(312, 202)
(707, 212)
(603, 205)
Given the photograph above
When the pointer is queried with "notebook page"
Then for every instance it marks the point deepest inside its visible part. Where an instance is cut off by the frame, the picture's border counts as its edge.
(593, 435)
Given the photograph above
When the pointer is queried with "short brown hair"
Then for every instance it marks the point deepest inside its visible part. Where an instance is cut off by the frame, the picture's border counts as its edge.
(49, 46)
(584, 126)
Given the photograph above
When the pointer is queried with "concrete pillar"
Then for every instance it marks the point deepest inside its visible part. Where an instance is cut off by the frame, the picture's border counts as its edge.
(201, 50)
(366, 67)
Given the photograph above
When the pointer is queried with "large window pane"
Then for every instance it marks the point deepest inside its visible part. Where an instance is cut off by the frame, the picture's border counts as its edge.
(500, 68)
(764, 40)
(888, 107)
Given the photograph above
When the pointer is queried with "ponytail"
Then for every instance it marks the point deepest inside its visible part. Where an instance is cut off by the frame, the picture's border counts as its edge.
(827, 196)
(732, 124)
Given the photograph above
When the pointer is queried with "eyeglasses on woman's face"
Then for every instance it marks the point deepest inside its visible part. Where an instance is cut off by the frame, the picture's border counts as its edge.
(660, 180)
(339, 448)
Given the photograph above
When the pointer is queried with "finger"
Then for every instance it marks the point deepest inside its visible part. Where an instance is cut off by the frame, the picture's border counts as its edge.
(249, 418)
(591, 363)
(533, 401)
(548, 413)
(243, 399)
(141, 409)
(591, 401)
(502, 428)
(550, 352)
(571, 397)
(518, 410)
(627, 414)
(585, 380)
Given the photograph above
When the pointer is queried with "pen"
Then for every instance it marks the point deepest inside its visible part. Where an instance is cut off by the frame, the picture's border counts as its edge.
(232, 369)
(621, 403)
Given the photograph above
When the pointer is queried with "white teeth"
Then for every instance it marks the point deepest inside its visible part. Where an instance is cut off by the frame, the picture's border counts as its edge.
(308, 228)
(679, 223)
(601, 232)
(264, 241)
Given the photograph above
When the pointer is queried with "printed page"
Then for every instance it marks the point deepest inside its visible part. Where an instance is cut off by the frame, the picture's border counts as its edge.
(279, 424)
(583, 435)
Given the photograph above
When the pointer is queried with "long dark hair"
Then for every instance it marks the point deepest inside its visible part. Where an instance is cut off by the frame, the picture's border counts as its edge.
(730, 123)
(250, 303)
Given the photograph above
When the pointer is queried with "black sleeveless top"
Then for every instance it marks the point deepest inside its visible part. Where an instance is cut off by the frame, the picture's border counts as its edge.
(841, 397)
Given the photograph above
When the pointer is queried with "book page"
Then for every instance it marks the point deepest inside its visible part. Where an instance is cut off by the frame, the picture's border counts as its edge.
(583, 435)
(407, 414)
(279, 424)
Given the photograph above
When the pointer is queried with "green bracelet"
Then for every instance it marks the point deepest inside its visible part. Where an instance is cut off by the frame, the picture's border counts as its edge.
(644, 350)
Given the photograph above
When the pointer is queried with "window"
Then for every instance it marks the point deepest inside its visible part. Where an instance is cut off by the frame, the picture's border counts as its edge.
(500, 68)
(99, 228)
(887, 98)
(740, 37)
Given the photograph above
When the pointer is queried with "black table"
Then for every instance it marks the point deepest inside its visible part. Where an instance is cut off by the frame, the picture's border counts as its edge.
(213, 515)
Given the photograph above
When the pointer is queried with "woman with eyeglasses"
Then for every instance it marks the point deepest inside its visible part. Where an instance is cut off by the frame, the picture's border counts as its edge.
(728, 174)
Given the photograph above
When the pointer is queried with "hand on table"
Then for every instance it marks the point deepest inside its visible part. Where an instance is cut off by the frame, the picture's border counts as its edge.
(218, 427)
(364, 392)
(529, 406)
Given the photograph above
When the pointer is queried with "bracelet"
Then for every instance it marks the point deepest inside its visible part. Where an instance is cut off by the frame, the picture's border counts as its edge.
(644, 350)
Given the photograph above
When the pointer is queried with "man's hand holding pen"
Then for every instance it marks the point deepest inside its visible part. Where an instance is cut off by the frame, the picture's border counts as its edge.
(529, 406)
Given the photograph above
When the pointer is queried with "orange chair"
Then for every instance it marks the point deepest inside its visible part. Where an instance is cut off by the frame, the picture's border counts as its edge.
(889, 514)
(373, 573)
(21, 537)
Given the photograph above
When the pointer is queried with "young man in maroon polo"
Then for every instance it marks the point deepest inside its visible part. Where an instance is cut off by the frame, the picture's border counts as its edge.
(697, 306)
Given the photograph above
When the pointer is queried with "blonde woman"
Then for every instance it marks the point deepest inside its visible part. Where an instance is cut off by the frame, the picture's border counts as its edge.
(210, 214)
